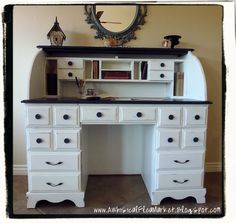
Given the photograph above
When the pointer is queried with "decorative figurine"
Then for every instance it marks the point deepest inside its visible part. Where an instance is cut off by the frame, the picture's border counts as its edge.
(56, 35)
(174, 39)
(166, 43)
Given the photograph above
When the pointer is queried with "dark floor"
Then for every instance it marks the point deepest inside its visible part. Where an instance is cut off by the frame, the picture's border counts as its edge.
(122, 194)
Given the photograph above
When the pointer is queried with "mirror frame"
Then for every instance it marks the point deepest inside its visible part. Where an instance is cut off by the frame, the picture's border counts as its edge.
(122, 36)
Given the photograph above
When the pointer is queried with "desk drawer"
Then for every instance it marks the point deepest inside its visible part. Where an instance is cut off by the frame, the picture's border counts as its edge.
(54, 161)
(137, 114)
(158, 75)
(39, 138)
(70, 63)
(54, 182)
(168, 138)
(65, 115)
(180, 160)
(67, 139)
(98, 114)
(194, 138)
(38, 115)
(179, 179)
(195, 116)
(169, 116)
(161, 64)
(70, 74)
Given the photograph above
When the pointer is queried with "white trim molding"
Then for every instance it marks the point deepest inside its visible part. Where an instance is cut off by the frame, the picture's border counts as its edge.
(20, 169)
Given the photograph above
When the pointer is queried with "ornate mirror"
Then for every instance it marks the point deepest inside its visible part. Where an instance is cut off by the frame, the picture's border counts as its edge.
(115, 21)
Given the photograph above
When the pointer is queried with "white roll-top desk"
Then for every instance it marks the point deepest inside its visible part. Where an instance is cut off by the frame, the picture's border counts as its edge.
(161, 91)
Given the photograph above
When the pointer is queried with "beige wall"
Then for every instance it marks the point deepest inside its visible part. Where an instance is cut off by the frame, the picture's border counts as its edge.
(199, 26)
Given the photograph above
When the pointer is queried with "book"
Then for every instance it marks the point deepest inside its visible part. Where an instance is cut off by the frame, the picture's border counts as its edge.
(144, 66)
(179, 84)
(95, 69)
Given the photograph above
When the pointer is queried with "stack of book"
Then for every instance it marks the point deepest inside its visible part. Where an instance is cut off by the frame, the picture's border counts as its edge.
(111, 74)
(179, 83)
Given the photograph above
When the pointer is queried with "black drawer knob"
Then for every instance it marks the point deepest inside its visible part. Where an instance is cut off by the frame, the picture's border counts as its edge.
(38, 116)
(170, 140)
(66, 140)
(139, 114)
(99, 114)
(162, 64)
(70, 63)
(66, 117)
(162, 75)
(197, 117)
(39, 140)
(195, 139)
(171, 117)
(70, 74)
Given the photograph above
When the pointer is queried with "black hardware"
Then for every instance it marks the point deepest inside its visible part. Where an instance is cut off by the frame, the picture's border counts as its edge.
(66, 117)
(70, 74)
(66, 140)
(162, 64)
(170, 140)
(195, 139)
(139, 114)
(70, 63)
(99, 114)
(162, 75)
(171, 117)
(38, 116)
(54, 185)
(177, 161)
(197, 117)
(54, 164)
(39, 140)
(179, 182)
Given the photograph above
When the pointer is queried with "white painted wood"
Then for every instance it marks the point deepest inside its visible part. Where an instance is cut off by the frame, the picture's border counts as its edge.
(195, 115)
(76, 197)
(54, 161)
(62, 62)
(98, 114)
(137, 114)
(168, 138)
(65, 115)
(38, 115)
(178, 179)
(160, 64)
(159, 75)
(170, 116)
(180, 160)
(70, 74)
(189, 136)
(66, 139)
(53, 181)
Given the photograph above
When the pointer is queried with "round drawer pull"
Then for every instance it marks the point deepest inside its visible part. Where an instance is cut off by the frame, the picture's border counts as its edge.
(54, 185)
(38, 116)
(39, 140)
(139, 114)
(195, 139)
(171, 117)
(99, 114)
(70, 74)
(66, 140)
(180, 182)
(162, 75)
(162, 64)
(66, 117)
(170, 140)
(54, 164)
(197, 117)
(70, 63)
(180, 162)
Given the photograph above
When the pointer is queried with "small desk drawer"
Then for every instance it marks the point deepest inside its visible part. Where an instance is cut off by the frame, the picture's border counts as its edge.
(67, 139)
(169, 116)
(38, 115)
(179, 179)
(54, 182)
(65, 115)
(194, 138)
(157, 75)
(137, 114)
(39, 138)
(70, 74)
(180, 160)
(168, 138)
(67, 62)
(195, 116)
(98, 114)
(161, 64)
(54, 161)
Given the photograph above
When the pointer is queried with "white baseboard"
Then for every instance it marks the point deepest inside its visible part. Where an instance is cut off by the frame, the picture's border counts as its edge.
(209, 167)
